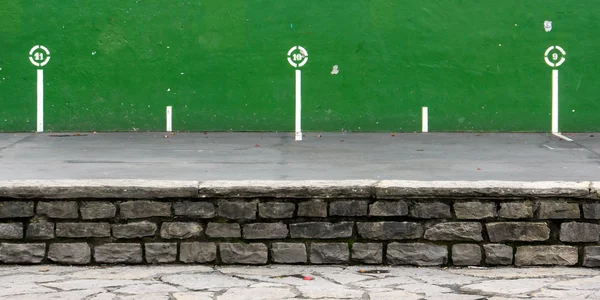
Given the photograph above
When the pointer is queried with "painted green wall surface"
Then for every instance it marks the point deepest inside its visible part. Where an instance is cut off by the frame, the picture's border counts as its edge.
(222, 64)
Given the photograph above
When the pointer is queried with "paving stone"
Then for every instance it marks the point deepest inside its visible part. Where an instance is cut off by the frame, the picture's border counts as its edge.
(118, 253)
(475, 210)
(591, 211)
(518, 232)
(266, 293)
(193, 296)
(205, 281)
(204, 210)
(418, 254)
(58, 209)
(579, 232)
(321, 230)
(239, 253)
(141, 289)
(81, 284)
(134, 230)
(367, 253)
(516, 210)
(196, 252)
(455, 231)
(71, 295)
(161, 252)
(97, 210)
(505, 287)
(388, 208)
(82, 230)
(180, 230)
(546, 255)
(41, 230)
(591, 256)
(394, 295)
(334, 292)
(16, 209)
(466, 255)
(329, 253)
(390, 230)
(288, 253)
(11, 231)
(276, 210)
(498, 254)
(22, 253)
(430, 210)
(70, 253)
(140, 209)
(348, 208)
(237, 210)
(265, 231)
(312, 208)
(223, 230)
(557, 210)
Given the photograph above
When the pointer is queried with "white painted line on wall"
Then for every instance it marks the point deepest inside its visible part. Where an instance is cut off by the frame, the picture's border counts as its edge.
(425, 127)
(298, 105)
(554, 101)
(40, 100)
(169, 118)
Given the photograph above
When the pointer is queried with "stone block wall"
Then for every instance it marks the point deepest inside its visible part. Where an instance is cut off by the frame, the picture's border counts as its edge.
(354, 227)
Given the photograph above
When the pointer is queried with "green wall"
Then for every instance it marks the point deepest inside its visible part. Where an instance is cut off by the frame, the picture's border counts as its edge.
(477, 65)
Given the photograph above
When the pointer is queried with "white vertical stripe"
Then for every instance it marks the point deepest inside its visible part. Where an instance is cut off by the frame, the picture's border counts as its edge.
(40, 100)
(298, 105)
(169, 118)
(554, 101)
(425, 119)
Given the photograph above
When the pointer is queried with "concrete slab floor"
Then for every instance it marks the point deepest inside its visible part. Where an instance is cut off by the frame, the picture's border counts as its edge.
(322, 156)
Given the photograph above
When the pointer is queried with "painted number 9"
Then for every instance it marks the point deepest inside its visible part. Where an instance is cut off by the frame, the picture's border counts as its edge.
(297, 57)
(555, 56)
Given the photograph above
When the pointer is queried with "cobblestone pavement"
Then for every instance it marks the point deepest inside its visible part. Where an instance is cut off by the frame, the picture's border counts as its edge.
(295, 282)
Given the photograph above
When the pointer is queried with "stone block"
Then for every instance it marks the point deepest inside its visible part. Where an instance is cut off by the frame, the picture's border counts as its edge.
(455, 231)
(288, 253)
(203, 210)
(498, 254)
(475, 210)
(223, 230)
(134, 230)
(557, 210)
(276, 210)
(70, 253)
(430, 210)
(118, 253)
(248, 254)
(417, 254)
(97, 210)
(591, 211)
(237, 210)
(574, 232)
(349, 208)
(367, 253)
(180, 230)
(312, 208)
(388, 209)
(321, 230)
(329, 253)
(390, 230)
(40, 231)
(196, 252)
(591, 256)
(161, 252)
(22, 253)
(11, 231)
(518, 232)
(466, 255)
(16, 209)
(546, 256)
(265, 231)
(82, 230)
(58, 209)
(139, 209)
(516, 210)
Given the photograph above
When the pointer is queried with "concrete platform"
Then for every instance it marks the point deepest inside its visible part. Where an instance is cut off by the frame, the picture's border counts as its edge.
(276, 156)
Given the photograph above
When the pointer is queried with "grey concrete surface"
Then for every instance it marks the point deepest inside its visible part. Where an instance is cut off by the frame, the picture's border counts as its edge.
(289, 282)
(276, 156)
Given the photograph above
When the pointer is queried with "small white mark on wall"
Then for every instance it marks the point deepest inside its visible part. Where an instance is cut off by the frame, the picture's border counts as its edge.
(94, 53)
(168, 90)
(169, 118)
(548, 26)
(335, 70)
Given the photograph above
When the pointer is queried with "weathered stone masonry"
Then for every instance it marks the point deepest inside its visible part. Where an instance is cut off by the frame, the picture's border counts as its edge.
(368, 223)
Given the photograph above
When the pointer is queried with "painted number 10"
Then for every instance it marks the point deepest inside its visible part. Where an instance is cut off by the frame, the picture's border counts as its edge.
(297, 57)
(38, 56)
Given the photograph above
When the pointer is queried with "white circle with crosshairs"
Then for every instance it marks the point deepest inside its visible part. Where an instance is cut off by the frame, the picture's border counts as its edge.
(39, 56)
(297, 56)
(555, 56)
